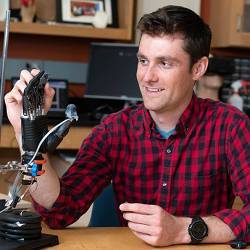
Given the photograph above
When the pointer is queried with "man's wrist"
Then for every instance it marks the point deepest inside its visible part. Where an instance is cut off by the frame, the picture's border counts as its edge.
(218, 231)
(18, 136)
(183, 237)
(198, 230)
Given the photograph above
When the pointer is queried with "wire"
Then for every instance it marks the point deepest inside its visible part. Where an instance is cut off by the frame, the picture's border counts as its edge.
(26, 191)
(5, 209)
(20, 198)
(15, 188)
(44, 138)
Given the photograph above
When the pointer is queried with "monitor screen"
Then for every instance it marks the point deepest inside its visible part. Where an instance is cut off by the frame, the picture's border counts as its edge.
(60, 99)
(112, 72)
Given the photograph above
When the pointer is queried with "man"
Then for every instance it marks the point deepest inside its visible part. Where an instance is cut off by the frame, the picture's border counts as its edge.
(176, 163)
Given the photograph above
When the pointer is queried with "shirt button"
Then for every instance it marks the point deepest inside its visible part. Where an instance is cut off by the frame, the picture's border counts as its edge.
(164, 184)
(169, 150)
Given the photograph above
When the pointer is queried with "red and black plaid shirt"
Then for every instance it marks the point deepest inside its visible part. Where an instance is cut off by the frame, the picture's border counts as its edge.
(196, 171)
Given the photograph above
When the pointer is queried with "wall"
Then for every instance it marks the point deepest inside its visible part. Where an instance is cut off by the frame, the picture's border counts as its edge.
(147, 6)
(69, 62)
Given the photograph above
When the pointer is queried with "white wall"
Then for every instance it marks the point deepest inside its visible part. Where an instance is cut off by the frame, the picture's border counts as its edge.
(147, 6)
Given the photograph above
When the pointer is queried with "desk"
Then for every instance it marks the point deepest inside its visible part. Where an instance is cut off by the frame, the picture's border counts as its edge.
(113, 239)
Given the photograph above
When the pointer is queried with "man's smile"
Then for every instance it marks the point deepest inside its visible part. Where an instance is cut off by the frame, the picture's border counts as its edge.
(152, 90)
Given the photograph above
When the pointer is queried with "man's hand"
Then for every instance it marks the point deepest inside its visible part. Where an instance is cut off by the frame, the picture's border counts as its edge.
(154, 225)
(14, 98)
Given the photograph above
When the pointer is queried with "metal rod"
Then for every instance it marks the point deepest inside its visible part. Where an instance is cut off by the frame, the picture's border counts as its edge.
(4, 57)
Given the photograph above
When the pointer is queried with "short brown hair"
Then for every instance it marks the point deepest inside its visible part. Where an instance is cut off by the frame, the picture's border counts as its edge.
(172, 19)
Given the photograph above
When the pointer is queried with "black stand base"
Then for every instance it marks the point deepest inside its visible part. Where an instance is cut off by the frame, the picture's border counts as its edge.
(46, 240)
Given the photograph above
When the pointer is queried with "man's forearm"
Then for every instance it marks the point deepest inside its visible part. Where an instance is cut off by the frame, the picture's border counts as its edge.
(218, 231)
(157, 227)
(47, 188)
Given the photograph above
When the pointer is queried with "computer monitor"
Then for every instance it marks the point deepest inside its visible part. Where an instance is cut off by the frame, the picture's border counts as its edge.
(60, 99)
(112, 72)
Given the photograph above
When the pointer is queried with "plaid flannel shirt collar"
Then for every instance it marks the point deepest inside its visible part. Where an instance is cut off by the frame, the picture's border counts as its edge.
(187, 120)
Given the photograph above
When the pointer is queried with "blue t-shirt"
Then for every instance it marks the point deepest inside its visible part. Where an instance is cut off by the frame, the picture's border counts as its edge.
(165, 134)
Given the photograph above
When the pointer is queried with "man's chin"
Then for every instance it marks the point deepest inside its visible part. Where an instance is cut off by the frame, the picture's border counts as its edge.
(156, 108)
(151, 107)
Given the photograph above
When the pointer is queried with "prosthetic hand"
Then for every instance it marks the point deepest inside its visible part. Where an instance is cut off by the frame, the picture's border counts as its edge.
(34, 127)
(36, 139)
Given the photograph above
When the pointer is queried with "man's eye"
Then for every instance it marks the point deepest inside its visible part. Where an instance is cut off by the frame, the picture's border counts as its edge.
(142, 61)
(166, 64)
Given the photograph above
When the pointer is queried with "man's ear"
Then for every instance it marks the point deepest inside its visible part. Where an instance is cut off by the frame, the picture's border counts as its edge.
(199, 68)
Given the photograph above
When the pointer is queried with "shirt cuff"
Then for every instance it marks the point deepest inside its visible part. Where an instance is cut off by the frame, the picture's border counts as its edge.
(236, 221)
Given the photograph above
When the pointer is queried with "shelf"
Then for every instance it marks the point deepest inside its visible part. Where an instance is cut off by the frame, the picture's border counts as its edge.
(67, 41)
(69, 30)
(226, 19)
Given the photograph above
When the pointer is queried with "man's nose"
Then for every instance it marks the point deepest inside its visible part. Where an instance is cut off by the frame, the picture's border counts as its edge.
(150, 74)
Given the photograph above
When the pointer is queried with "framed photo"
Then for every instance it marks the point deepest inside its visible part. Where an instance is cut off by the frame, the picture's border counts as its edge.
(110, 6)
(83, 11)
(4, 6)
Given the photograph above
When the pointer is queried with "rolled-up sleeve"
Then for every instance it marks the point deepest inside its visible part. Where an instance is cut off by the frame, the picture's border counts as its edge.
(82, 182)
(238, 153)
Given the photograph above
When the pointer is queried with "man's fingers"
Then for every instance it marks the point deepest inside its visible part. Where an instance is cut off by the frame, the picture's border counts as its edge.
(138, 208)
(26, 76)
(138, 218)
(34, 72)
(15, 96)
(20, 86)
(49, 94)
(140, 228)
(144, 229)
(146, 238)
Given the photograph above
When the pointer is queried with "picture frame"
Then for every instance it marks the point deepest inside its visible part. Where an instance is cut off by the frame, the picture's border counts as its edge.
(83, 11)
(4, 6)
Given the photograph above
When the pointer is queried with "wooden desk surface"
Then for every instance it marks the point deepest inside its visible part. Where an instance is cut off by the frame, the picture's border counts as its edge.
(113, 239)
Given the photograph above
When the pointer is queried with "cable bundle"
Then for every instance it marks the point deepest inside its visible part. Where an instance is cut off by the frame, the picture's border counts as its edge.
(20, 225)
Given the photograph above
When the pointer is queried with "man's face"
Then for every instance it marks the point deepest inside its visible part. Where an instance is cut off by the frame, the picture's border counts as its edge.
(163, 73)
